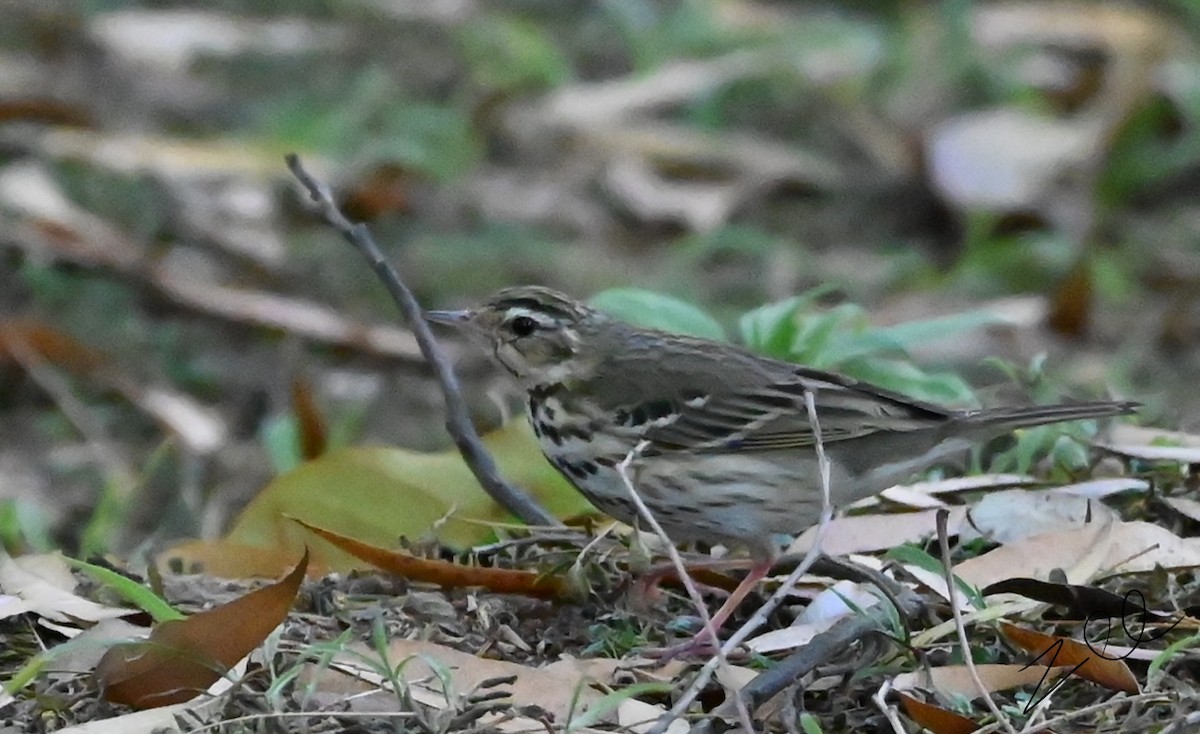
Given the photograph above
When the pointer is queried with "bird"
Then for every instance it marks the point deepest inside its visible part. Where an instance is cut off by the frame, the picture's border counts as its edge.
(721, 445)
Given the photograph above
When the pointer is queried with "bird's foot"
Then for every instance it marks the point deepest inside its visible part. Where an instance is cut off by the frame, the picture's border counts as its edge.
(702, 646)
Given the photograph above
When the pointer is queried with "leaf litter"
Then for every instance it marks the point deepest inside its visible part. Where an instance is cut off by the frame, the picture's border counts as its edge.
(462, 635)
(538, 657)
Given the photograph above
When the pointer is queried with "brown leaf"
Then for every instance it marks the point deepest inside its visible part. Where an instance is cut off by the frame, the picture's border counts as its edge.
(183, 658)
(958, 680)
(44, 110)
(1071, 305)
(199, 428)
(1057, 651)
(48, 343)
(444, 573)
(1078, 551)
(935, 718)
(232, 560)
(314, 437)
(385, 189)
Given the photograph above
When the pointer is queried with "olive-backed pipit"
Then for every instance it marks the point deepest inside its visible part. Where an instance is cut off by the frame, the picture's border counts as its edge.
(727, 447)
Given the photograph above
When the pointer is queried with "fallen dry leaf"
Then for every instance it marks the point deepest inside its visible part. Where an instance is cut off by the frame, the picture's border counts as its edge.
(314, 434)
(935, 718)
(870, 533)
(1101, 488)
(823, 612)
(43, 585)
(445, 573)
(182, 658)
(197, 427)
(1137, 547)
(1180, 454)
(956, 680)
(1152, 444)
(1080, 552)
(440, 676)
(1071, 305)
(936, 583)
(1004, 159)
(51, 227)
(1006, 517)
(640, 717)
(1053, 651)
(1071, 24)
(1127, 433)
(925, 495)
(1081, 602)
(1189, 508)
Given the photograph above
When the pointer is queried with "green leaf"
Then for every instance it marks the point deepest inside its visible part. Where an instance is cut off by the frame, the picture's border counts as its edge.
(908, 379)
(771, 329)
(912, 555)
(911, 333)
(280, 436)
(1170, 652)
(134, 592)
(377, 495)
(816, 343)
(809, 724)
(24, 524)
(509, 54)
(601, 709)
(898, 339)
(435, 139)
(653, 310)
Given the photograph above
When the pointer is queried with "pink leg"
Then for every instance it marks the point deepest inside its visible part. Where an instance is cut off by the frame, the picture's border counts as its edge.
(705, 640)
(645, 587)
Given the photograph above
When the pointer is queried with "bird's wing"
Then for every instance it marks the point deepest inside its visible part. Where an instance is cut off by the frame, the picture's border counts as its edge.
(774, 416)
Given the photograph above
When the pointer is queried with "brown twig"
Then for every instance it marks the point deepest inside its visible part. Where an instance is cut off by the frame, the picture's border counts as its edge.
(785, 589)
(458, 418)
(805, 660)
(948, 573)
(719, 658)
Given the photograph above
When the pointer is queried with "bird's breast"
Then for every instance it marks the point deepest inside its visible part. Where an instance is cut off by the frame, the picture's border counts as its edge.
(586, 448)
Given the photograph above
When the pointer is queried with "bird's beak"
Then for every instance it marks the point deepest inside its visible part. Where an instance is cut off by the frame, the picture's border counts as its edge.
(454, 318)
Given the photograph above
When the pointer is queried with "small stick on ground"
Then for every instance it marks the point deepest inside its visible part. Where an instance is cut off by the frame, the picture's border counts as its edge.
(948, 572)
(458, 417)
(888, 711)
(764, 612)
(719, 659)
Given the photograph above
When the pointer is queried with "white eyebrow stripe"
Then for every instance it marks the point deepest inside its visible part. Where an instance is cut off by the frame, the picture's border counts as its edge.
(519, 311)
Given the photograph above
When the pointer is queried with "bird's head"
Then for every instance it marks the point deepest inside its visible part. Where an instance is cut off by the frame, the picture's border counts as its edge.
(537, 334)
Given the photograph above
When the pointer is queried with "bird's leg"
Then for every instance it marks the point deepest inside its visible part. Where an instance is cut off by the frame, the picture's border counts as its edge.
(645, 587)
(706, 640)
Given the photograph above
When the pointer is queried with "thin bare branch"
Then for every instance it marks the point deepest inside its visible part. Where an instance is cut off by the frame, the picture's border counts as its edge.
(764, 612)
(719, 658)
(458, 418)
(948, 572)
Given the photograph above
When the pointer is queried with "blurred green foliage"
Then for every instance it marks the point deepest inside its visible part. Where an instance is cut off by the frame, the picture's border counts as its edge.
(798, 330)
(373, 120)
(658, 311)
(509, 54)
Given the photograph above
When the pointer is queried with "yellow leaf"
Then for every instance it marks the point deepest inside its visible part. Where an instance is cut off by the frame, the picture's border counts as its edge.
(376, 495)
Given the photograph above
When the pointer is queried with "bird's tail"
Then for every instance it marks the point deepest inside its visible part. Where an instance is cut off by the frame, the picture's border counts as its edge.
(1005, 419)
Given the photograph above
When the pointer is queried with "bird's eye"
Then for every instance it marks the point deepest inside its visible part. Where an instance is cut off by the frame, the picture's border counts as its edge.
(523, 326)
